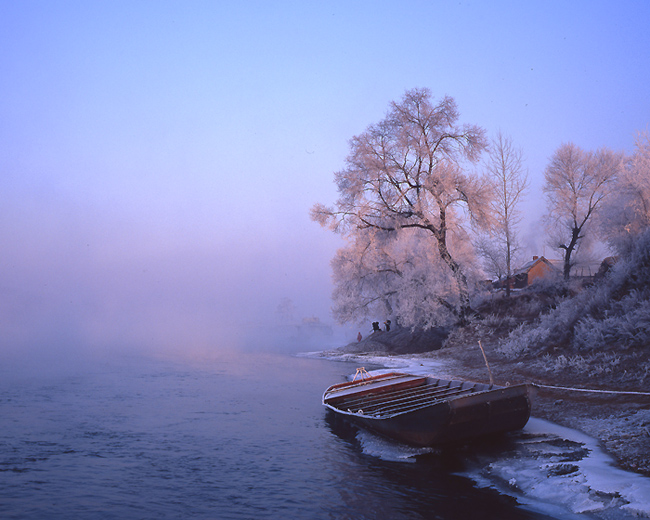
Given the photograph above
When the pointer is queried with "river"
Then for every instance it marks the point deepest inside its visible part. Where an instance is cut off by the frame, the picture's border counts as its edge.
(232, 436)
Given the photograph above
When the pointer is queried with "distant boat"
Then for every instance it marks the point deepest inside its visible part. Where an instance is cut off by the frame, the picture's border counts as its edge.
(427, 411)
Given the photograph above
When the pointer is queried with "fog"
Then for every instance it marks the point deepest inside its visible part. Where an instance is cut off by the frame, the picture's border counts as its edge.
(77, 283)
(159, 160)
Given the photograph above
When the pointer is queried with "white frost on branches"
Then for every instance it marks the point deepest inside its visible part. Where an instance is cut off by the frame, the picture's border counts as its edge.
(576, 184)
(396, 275)
(403, 195)
(509, 181)
(627, 213)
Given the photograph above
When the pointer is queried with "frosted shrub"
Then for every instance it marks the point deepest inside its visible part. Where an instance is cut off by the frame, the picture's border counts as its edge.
(610, 316)
(522, 340)
(492, 322)
(628, 327)
(552, 286)
(551, 329)
(593, 365)
(577, 363)
(532, 307)
(617, 314)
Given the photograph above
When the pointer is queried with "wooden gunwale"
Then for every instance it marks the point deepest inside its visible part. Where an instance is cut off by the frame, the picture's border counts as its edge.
(381, 377)
(367, 388)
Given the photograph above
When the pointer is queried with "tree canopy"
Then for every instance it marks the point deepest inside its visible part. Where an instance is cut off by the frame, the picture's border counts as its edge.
(405, 183)
(576, 184)
(626, 214)
(505, 171)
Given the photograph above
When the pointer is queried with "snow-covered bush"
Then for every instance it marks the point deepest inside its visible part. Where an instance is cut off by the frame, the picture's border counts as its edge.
(612, 315)
(627, 325)
(522, 339)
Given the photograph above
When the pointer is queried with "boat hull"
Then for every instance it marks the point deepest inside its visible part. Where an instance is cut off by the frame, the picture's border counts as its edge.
(446, 414)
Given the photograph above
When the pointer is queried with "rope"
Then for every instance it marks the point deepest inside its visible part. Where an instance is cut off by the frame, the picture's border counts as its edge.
(619, 392)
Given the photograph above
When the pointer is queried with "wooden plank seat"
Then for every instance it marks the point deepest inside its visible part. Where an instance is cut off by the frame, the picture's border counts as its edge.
(370, 400)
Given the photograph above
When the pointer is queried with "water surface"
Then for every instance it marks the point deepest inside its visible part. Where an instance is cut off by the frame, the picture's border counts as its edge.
(231, 437)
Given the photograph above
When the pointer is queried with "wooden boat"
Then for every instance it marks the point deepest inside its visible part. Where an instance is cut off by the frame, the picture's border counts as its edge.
(427, 411)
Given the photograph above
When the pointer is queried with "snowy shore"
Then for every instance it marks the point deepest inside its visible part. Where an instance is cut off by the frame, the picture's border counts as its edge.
(563, 457)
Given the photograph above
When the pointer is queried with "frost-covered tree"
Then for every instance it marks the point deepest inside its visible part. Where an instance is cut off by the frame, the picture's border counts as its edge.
(627, 214)
(364, 272)
(576, 183)
(509, 181)
(405, 173)
(396, 275)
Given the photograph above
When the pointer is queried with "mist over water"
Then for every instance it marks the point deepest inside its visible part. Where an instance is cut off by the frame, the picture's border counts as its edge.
(75, 281)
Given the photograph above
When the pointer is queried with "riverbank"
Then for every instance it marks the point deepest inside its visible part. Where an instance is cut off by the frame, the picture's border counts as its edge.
(620, 423)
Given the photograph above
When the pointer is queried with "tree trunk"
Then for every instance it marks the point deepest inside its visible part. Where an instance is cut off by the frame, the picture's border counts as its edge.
(508, 271)
(568, 250)
(461, 281)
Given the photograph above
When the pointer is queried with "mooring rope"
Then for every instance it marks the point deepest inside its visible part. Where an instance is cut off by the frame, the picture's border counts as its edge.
(619, 392)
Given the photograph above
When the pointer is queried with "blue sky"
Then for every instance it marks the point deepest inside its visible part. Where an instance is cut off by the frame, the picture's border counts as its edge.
(158, 159)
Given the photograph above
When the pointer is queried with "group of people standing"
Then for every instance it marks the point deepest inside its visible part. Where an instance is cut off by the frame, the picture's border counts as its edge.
(376, 328)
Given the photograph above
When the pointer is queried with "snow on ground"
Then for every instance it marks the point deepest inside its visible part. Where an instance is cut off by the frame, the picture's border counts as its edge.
(552, 464)
(544, 466)
(406, 363)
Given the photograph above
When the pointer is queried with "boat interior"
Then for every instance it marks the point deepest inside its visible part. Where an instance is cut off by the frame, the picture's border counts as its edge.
(396, 393)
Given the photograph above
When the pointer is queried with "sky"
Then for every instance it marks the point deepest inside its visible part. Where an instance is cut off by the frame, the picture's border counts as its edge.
(158, 159)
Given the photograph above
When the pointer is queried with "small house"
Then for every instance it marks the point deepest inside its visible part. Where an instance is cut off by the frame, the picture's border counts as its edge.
(538, 269)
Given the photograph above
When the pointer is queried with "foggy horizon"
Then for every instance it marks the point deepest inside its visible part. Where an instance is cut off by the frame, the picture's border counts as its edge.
(159, 161)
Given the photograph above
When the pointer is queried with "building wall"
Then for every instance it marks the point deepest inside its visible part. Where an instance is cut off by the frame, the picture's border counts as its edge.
(538, 270)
